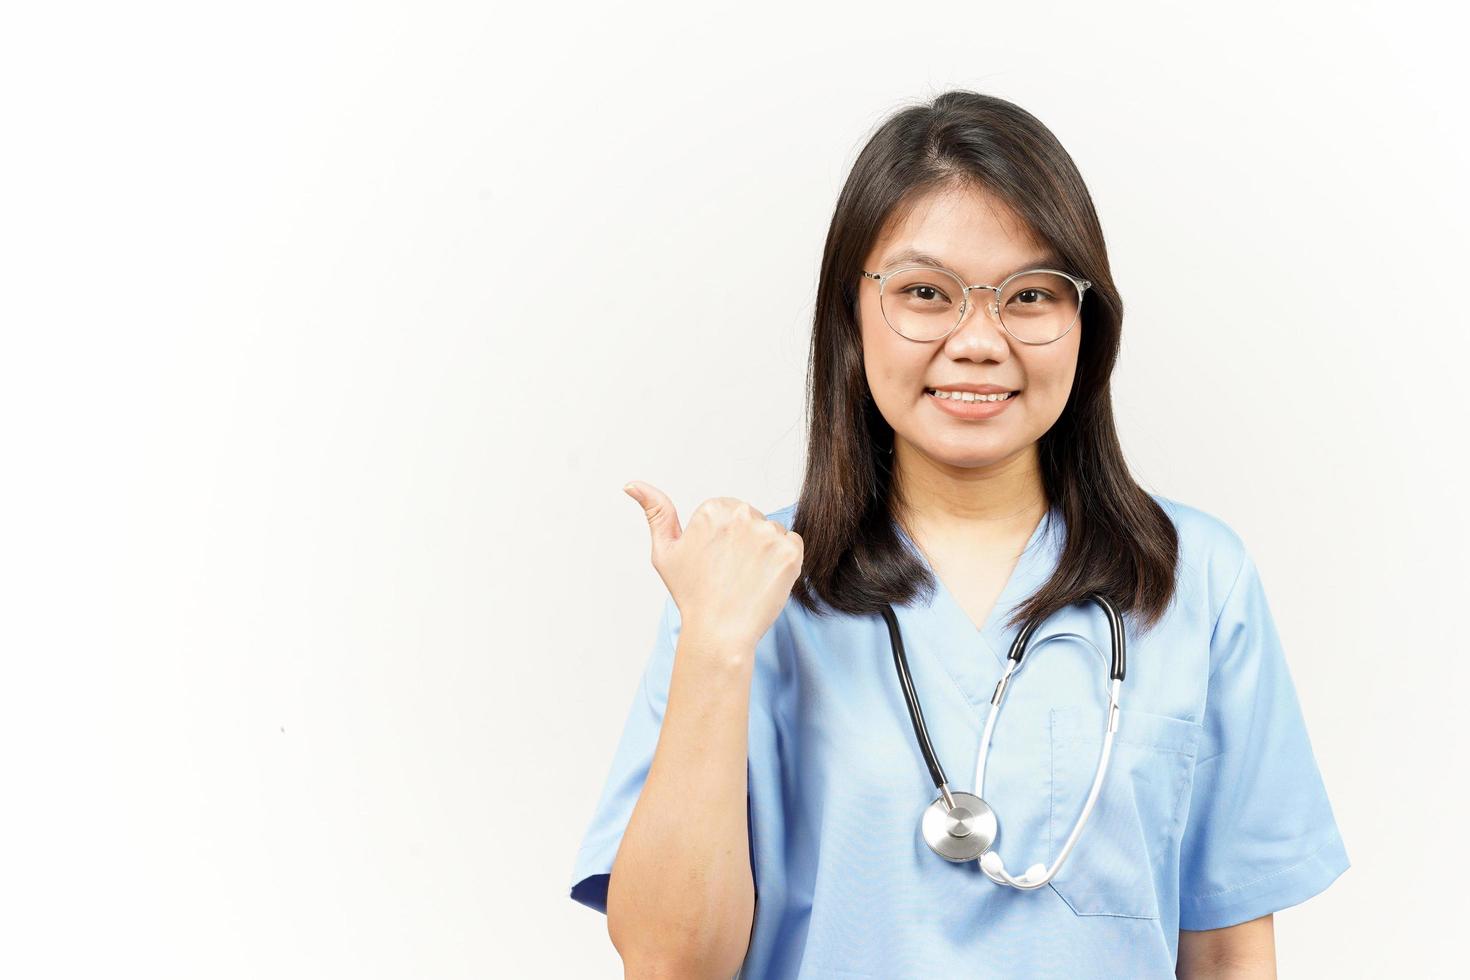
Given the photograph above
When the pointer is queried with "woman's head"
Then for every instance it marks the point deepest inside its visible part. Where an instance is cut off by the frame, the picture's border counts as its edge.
(981, 186)
(914, 378)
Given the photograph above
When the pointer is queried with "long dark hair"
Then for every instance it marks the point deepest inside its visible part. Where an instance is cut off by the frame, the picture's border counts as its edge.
(1119, 541)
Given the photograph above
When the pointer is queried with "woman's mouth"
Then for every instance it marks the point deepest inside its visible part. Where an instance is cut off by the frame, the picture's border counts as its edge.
(970, 396)
(968, 404)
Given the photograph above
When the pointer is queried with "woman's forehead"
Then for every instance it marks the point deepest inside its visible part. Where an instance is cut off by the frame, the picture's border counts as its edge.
(961, 232)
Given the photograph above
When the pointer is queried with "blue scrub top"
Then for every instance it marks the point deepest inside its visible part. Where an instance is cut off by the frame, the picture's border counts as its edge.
(1213, 811)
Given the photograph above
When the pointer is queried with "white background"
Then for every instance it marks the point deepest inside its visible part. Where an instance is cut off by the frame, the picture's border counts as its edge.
(332, 331)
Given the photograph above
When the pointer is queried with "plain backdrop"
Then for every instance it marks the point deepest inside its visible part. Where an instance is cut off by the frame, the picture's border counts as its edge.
(332, 331)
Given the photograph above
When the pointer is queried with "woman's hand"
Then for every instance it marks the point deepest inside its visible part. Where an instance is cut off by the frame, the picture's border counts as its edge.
(730, 571)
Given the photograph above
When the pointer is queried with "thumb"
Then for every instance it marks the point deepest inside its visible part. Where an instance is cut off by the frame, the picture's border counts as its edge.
(663, 519)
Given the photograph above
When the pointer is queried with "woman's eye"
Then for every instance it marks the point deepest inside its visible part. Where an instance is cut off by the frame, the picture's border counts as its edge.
(1030, 296)
(927, 293)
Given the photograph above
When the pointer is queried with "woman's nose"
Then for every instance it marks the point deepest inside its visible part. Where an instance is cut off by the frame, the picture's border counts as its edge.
(980, 326)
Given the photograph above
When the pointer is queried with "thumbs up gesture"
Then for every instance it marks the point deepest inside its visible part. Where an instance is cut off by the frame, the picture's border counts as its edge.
(729, 572)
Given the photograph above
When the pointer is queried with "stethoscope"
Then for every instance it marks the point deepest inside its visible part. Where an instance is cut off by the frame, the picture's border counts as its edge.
(961, 826)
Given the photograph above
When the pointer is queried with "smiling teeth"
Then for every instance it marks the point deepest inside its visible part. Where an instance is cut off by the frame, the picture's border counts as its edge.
(970, 396)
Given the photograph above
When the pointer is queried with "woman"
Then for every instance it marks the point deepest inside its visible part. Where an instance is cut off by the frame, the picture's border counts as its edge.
(764, 806)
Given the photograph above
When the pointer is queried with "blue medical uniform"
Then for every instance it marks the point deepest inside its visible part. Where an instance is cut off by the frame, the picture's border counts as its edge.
(1213, 811)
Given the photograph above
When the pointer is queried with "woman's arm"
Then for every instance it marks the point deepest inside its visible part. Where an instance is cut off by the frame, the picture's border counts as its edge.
(681, 895)
(680, 899)
(1238, 952)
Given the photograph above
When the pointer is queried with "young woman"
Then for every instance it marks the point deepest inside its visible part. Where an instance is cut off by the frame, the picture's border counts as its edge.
(772, 807)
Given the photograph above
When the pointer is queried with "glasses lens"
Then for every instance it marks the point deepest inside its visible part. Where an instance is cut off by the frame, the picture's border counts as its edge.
(922, 304)
(1039, 307)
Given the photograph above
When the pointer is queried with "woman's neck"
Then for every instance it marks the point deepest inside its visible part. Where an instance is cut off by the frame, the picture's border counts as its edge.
(983, 502)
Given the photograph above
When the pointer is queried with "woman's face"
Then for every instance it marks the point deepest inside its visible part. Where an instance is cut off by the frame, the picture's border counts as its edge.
(977, 237)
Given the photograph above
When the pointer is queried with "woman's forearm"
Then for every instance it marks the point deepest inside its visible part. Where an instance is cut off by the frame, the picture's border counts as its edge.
(680, 898)
(1240, 952)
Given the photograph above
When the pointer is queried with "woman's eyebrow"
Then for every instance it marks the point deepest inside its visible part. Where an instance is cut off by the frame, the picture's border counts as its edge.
(1048, 260)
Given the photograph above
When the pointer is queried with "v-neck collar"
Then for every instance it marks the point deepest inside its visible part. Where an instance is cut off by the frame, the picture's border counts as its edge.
(1035, 563)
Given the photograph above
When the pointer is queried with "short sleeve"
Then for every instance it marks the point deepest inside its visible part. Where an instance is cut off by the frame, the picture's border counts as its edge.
(631, 761)
(1260, 834)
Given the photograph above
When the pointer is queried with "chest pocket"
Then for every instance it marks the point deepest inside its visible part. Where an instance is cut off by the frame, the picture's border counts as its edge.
(1137, 821)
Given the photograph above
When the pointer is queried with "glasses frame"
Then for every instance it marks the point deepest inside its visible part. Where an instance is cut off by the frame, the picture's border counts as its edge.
(994, 306)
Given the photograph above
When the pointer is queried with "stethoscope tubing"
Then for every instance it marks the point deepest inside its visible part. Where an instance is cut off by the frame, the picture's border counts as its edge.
(916, 713)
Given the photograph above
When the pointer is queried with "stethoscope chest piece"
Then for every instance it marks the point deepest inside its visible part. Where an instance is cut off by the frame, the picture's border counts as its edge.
(960, 834)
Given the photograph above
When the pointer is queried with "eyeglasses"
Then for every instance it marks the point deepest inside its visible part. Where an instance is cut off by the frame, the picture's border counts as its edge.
(924, 304)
